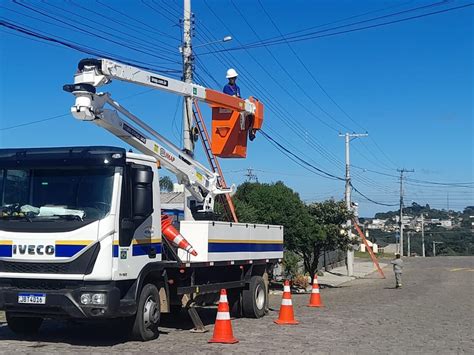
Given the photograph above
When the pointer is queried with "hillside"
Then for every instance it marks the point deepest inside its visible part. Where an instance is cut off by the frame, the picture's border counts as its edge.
(456, 234)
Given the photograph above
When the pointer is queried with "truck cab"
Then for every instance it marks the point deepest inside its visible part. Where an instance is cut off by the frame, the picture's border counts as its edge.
(77, 225)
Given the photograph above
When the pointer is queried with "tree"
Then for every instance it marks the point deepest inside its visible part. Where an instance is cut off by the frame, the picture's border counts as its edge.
(326, 233)
(309, 230)
(272, 204)
(166, 184)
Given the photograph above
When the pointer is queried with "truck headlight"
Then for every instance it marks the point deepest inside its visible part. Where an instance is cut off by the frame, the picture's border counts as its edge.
(93, 298)
(86, 298)
(98, 298)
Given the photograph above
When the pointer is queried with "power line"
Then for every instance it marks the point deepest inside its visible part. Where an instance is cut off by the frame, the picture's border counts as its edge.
(173, 21)
(145, 27)
(67, 114)
(341, 20)
(368, 20)
(97, 34)
(84, 49)
(34, 122)
(310, 36)
(373, 201)
(451, 184)
(300, 159)
(172, 49)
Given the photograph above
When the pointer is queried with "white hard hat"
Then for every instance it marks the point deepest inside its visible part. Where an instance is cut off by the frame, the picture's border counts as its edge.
(231, 73)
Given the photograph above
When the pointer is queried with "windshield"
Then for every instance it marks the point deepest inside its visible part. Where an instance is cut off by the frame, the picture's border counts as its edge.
(56, 193)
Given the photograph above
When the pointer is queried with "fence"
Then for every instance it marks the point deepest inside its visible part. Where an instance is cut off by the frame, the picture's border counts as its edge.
(332, 259)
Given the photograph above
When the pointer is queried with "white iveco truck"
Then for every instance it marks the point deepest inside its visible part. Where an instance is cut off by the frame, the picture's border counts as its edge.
(81, 227)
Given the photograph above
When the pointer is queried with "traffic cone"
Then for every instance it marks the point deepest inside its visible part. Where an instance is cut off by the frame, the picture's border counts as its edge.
(174, 236)
(315, 299)
(223, 327)
(286, 310)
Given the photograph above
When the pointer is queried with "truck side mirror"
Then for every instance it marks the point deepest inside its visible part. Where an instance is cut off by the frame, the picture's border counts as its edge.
(142, 192)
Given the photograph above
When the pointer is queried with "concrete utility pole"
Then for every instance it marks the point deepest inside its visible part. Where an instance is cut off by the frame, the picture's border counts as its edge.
(350, 253)
(401, 171)
(188, 142)
(423, 235)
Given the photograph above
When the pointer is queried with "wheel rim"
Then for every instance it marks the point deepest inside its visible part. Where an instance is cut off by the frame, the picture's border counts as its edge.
(151, 313)
(260, 297)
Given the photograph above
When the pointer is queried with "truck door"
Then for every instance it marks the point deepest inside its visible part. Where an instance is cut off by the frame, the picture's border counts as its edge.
(139, 237)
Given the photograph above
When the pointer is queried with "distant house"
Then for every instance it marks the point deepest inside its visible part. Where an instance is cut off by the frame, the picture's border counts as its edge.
(374, 246)
(377, 224)
(446, 223)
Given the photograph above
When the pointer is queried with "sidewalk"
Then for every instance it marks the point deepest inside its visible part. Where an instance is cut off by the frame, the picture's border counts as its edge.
(338, 275)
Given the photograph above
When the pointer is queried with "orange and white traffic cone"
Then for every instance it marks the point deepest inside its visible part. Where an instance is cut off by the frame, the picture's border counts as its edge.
(315, 299)
(223, 327)
(286, 310)
(174, 236)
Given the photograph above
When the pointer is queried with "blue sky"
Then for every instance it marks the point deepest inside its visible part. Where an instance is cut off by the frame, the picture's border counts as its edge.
(409, 84)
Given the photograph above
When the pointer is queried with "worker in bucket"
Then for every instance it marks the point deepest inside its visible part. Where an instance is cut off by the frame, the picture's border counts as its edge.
(397, 269)
(231, 88)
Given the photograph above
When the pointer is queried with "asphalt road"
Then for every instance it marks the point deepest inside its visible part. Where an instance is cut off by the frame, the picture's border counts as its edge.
(432, 313)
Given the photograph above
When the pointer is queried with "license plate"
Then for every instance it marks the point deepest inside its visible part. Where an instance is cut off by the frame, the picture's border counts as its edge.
(32, 298)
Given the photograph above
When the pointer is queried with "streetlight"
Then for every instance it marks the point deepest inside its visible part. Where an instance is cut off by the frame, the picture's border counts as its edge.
(225, 39)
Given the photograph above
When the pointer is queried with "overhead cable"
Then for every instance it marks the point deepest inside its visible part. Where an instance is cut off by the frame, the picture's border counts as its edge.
(370, 200)
(300, 159)
(257, 45)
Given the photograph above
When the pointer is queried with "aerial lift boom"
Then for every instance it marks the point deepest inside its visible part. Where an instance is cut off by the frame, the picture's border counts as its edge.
(202, 183)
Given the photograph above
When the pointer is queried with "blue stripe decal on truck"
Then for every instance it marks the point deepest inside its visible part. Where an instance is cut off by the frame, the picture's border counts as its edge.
(66, 251)
(244, 247)
(6, 251)
(138, 249)
(144, 249)
(115, 249)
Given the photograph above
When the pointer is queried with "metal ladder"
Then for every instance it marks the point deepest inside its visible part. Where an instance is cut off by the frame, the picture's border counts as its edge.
(226, 201)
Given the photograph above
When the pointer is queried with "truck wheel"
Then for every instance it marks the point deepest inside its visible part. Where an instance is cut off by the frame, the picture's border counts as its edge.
(24, 325)
(254, 300)
(147, 319)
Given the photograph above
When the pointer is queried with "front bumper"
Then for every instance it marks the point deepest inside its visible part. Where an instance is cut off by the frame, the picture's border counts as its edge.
(65, 303)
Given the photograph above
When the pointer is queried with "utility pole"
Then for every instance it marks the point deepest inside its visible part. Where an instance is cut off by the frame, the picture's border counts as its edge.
(423, 235)
(188, 142)
(401, 171)
(251, 176)
(350, 252)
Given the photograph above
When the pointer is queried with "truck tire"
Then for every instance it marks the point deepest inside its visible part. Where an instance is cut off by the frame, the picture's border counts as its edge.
(147, 319)
(255, 299)
(24, 325)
